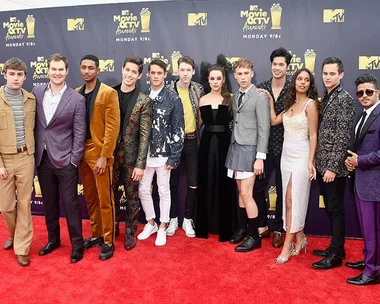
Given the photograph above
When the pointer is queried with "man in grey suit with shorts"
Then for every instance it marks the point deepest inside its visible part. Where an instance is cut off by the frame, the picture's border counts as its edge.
(245, 159)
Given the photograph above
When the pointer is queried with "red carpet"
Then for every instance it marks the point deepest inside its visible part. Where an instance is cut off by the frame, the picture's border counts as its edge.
(183, 271)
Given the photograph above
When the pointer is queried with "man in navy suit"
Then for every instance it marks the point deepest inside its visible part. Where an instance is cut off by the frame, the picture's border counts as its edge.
(365, 160)
(59, 134)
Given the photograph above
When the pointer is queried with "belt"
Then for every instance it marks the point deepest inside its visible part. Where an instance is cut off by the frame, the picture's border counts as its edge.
(215, 128)
(191, 135)
(22, 149)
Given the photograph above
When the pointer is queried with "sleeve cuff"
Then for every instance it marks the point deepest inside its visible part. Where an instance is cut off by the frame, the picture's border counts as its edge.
(261, 155)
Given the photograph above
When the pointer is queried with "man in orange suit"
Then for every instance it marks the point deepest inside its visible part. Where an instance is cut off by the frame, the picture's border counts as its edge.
(103, 122)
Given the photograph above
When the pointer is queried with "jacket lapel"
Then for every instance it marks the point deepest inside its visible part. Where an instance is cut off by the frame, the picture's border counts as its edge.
(2, 96)
(61, 105)
(372, 117)
(93, 96)
(247, 96)
(331, 99)
(130, 107)
(40, 103)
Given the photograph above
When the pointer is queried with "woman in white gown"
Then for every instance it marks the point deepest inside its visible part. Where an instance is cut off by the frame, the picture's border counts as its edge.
(300, 119)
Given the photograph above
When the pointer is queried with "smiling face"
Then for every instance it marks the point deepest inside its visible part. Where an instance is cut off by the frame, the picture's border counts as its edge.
(130, 74)
(57, 72)
(15, 79)
(216, 80)
(279, 67)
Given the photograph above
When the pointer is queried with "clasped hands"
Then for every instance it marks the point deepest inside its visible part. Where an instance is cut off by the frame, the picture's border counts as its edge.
(351, 161)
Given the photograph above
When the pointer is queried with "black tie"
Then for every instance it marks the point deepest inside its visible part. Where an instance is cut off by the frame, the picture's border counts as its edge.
(240, 100)
(357, 135)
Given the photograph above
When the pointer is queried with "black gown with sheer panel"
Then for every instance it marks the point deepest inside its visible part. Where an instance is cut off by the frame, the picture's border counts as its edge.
(217, 194)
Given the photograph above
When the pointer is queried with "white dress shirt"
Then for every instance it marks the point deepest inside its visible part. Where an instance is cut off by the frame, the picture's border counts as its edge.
(369, 111)
(50, 102)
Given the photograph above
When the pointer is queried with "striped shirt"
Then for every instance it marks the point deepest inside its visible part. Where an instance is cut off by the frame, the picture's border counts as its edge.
(15, 99)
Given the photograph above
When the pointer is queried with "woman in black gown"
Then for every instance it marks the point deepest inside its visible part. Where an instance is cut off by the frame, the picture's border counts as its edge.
(217, 196)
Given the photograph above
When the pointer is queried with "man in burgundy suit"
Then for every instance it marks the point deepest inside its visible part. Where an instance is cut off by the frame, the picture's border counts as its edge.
(365, 160)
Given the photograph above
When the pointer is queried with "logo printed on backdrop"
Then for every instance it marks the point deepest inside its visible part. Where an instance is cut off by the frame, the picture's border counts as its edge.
(128, 25)
(197, 19)
(18, 30)
(257, 21)
(107, 65)
(75, 24)
(40, 73)
(174, 61)
(1, 68)
(333, 15)
(296, 62)
(369, 62)
(232, 60)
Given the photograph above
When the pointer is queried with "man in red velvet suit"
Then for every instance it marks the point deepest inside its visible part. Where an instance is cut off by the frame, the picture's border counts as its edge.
(365, 160)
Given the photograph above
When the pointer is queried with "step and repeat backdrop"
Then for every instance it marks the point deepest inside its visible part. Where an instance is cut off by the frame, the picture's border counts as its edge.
(311, 30)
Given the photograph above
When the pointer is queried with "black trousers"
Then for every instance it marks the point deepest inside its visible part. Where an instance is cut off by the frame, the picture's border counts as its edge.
(190, 158)
(61, 183)
(271, 163)
(333, 195)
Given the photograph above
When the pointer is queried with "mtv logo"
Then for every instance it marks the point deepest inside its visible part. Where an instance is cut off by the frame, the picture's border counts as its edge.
(369, 62)
(13, 19)
(40, 58)
(76, 24)
(124, 12)
(1, 68)
(197, 19)
(333, 15)
(231, 60)
(107, 65)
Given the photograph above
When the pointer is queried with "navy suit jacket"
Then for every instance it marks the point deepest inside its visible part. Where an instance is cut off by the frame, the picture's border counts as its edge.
(64, 135)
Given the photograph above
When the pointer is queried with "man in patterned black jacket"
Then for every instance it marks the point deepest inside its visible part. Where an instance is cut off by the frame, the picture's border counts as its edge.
(277, 86)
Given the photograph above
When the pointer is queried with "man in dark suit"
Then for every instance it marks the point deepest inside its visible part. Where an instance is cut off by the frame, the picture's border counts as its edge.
(59, 133)
(132, 144)
(334, 135)
(365, 160)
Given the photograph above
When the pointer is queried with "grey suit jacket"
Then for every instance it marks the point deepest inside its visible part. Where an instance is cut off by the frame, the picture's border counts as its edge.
(251, 125)
(65, 134)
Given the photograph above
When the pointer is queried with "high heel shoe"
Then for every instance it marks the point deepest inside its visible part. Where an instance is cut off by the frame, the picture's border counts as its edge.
(283, 259)
(304, 242)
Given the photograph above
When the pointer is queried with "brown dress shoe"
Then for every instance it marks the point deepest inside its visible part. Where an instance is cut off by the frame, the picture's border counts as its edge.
(8, 244)
(265, 234)
(23, 260)
(277, 241)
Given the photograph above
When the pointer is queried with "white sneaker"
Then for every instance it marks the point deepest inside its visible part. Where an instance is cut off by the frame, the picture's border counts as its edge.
(148, 231)
(188, 226)
(173, 226)
(161, 237)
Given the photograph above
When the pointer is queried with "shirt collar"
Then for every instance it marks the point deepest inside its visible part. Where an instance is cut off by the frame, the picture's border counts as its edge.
(48, 89)
(245, 91)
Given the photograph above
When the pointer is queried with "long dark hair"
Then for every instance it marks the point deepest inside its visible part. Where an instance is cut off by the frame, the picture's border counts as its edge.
(312, 92)
(224, 92)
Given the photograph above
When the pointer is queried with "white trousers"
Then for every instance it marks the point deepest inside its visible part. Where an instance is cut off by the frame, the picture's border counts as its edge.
(145, 193)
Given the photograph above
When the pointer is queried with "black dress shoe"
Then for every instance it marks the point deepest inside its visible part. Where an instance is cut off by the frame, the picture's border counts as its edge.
(77, 255)
(88, 243)
(327, 252)
(362, 280)
(360, 265)
(239, 236)
(248, 245)
(49, 247)
(106, 252)
(117, 229)
(130, 241)
(331, 261)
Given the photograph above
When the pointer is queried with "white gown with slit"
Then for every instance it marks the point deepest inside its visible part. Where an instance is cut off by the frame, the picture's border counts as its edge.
(295, 165)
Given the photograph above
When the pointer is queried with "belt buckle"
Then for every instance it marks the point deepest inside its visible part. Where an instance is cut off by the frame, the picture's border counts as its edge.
(22, 149)
(190, 135)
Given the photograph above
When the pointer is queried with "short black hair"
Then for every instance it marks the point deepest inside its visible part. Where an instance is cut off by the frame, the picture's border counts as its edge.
(281, 52)
(332, 60)
(136, 60)
(91, 57)
(158, 62)
(367, 78)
